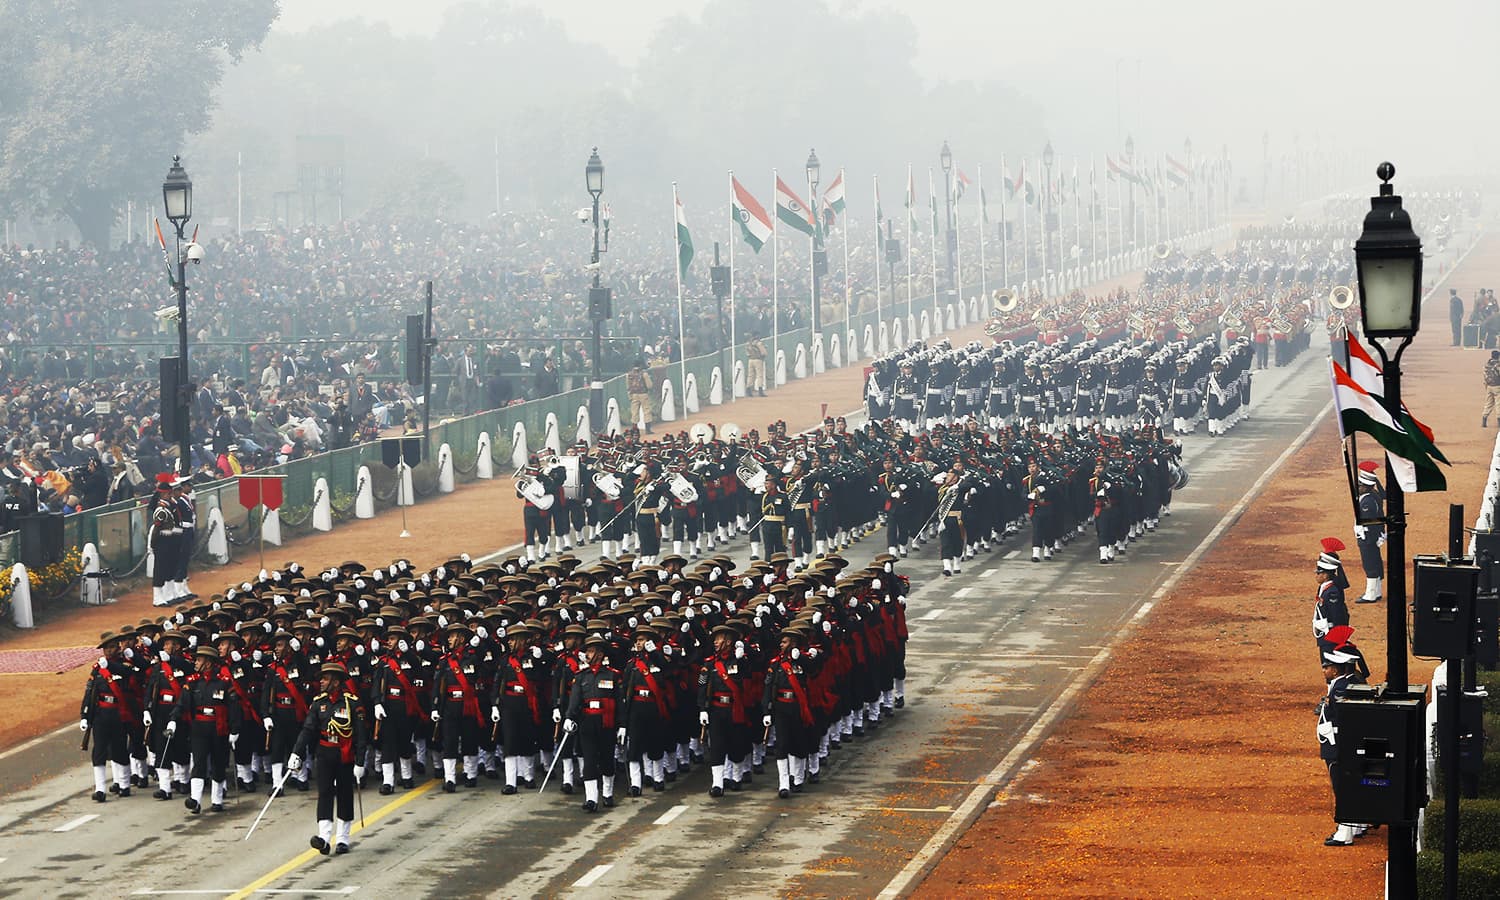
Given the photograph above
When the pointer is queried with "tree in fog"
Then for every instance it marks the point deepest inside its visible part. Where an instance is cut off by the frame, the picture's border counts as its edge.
(94, 96)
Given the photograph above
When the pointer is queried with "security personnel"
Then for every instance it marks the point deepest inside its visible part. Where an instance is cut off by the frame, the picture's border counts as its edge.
(336, 722)
(166, 539)
(107, 713)
(1329, 609)
(1340, 671)
(211, 715)
(591, 714)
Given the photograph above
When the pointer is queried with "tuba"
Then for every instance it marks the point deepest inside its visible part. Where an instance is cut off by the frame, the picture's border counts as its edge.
(532, 489)
(1162, 250)
(1341, 297)
(609, 484)
(751, 473)
(1005, 299)
(729, 432)
(682, 489)
(1184, 322)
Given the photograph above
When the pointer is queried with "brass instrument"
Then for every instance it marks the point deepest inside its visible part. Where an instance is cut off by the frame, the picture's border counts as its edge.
(1005, 299)
(1162, 250)
(751, 473)
(1341, 297)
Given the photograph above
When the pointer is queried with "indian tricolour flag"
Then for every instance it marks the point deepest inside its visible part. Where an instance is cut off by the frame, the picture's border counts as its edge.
(755, 225)
(791, 210)
(684, 241)
(1358, 393)
(833, 200)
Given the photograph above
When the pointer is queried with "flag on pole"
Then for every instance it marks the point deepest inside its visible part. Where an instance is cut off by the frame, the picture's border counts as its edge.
(1359, 395)
(833, 200)
(879, 212)
(165, 258)
(684, 241)
(755, 224)
(932, 202)
(791, 210)
(960, 182)
(984, 203)
(911, 201)
(1177, 173)
(1014, 185)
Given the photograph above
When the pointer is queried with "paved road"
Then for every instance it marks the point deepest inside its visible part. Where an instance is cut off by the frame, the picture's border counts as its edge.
(991, 654)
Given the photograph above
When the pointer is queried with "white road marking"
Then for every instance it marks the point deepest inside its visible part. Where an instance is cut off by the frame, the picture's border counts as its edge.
(963, 592)
(593, 875)
(988, 572)
(346, 890)
(667, 817)
(147, 892)
(930, 615)
(81, 820)
(1011, 555)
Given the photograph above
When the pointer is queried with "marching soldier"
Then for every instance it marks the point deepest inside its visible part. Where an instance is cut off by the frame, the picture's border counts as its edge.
(644, 712)
(398, 708)
(774, 509)
(723, 703)
(166, 682)
(456, 708)
(212, 717)
(650, 494)
(591, 714)
(789, 712)
(106, 714)
(336, 722)
(520, 697)
(283, 706)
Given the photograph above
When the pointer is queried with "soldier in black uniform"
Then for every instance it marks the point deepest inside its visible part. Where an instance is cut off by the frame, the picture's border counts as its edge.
(456, 708)
(774, 509)
(521, 697)
(283, 705)
(650, 494)
(335, 721)
(212, 716)
(398, 708)
(789, 710)
(1370, 537)
(906, 392)
(166, 538)
(166, 682)
(591, 714)
(1340, 670)
(645, 711)
(724, 701)
(107, 712)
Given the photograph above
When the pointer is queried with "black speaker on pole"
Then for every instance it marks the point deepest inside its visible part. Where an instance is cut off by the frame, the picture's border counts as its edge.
(171, 374)
(414, 325)
(41, 540)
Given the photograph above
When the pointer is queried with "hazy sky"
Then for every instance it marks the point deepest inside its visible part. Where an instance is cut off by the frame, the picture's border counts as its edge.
(1376, 78)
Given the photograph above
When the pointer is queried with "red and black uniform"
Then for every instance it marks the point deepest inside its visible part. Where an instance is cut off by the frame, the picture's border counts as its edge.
(521, 692)
(724, 692)
(396, 690)
(788, 697)
(110, 709)
(564, 674)
(284, 700)
(644, 707)
(593, 703)
(166, 682)
(335, 732)
(211, 712)
(458, 703)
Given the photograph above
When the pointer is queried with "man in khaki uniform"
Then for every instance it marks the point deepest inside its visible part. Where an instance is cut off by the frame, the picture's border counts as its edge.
(1491, 389)
(638, 385)
(755, 372)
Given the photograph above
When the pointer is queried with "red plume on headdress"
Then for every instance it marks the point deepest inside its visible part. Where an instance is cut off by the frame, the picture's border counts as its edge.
(1331, 545)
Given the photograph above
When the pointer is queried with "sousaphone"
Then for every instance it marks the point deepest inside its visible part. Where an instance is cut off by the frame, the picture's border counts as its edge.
(1005, 299)
(1341, 297)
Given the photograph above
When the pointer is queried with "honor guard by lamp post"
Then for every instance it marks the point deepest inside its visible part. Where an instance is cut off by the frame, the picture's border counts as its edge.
(814, 170)
(1388, 260)
(945, 158)
(177, 197)
(599, 296)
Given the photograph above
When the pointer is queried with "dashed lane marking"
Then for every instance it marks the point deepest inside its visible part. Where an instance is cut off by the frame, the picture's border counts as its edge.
(667, 817)
(990, 572)
(81, 820)
(593, 875)
(930, 615)
(963, 592)
(1011, 555)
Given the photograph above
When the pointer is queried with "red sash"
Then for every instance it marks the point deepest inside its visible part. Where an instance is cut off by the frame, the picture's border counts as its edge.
(734, 691)
(527, 686)
(661, 702)
(471, 700)
(606, 707)
(797, 689)
(166, 671)
(299, 703)
(410, 694)
(121, 704)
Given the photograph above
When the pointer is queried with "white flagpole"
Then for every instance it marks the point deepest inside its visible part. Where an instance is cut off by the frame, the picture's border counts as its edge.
(239, 192)
(1004, 238)
(775, 282)
(848, 282)
(1077, 225)
(732, 239)
(875, 179)
(1025, 233)
(1094, 214)
(813, 301)
(681, 336)
(936, 309)
(497, 175)
(984, 290)
(958, 251)
(911, 234)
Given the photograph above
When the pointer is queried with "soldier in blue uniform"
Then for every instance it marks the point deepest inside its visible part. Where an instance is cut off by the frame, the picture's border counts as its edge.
(1370, 537)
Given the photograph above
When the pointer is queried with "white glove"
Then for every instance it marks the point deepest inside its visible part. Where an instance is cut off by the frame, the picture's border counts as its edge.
(739, 649)
(650, 646)
(234, 656)
(256, 656)
(1325, 732)
(436, 715)
(128, 653)
(703, 718)
(164, 656)
(103, 663)
(402, 646)
(171, 728)
(359, 773)
(569, 726)
(294, 763)
(268, 723)
(233, 739)
(686, 627)
(796, 653)
(666, 650)
(83, 724)
(146, 718)
(1321, 626)
(620, 737)
(359, 649)
(748, 582)
(556, 716)
(1359, 532)
(494, 713)
(374, 645)
(767, 578)
(812, 652)
(474, 641)
(875, 584)
(536, 652)
(766, 721)
(482, 631)
(295, 644)
(420, 646)
(380, 710)
(1380, 542)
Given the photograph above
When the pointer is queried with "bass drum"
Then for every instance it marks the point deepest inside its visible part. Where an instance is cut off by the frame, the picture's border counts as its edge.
(1179, 474)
